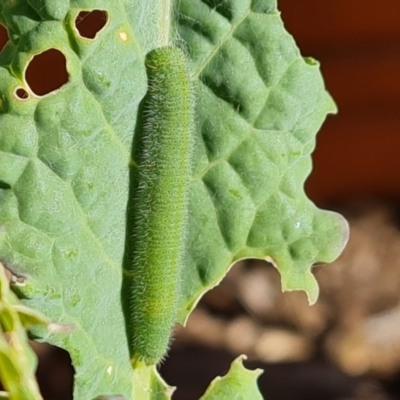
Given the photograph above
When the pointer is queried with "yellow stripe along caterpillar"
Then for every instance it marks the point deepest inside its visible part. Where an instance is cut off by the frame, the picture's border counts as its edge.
(157, 215)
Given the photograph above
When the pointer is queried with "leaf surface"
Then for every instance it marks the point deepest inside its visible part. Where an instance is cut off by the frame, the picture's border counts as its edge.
(239, 384)
(64, 164)
(260, 105)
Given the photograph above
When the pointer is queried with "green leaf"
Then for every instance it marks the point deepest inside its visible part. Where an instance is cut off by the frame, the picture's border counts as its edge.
(63, 220)
(64, 164)
(260, 105)
(17, 359)
(239, 384)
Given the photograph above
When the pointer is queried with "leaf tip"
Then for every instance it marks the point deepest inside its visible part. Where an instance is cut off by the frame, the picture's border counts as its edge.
(305, 282)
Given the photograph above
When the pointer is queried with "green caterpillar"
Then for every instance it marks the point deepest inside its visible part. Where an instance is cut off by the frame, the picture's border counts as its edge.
(158, 217)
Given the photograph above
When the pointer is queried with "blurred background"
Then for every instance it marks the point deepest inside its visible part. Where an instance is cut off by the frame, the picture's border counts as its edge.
(347, 346)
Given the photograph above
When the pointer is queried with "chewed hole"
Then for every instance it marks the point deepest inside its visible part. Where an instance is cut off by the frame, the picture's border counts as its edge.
(3, 37)
(55, 373)
(47, 72)
(4, 185)
(90, 23)
(22, 94)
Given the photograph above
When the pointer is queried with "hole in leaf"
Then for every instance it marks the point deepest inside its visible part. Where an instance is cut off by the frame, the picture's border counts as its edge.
(22, 94)
(55, 373)
(4, 185)
(90, 23)
(47, 72)
(3, 37)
